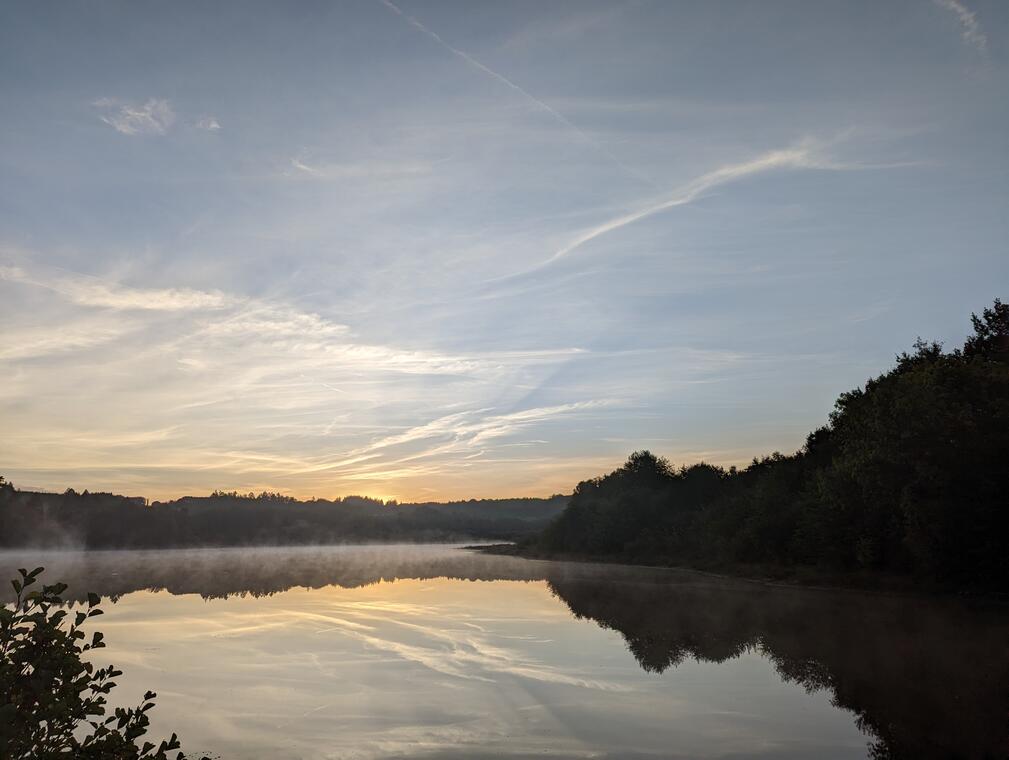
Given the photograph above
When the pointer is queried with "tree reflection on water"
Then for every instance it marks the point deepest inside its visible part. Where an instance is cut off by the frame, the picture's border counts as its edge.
(924, 677)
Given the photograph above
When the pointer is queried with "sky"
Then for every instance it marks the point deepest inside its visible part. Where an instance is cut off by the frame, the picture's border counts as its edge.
(441, 250)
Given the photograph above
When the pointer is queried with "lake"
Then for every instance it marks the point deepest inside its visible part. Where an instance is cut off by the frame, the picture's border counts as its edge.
(364, 652)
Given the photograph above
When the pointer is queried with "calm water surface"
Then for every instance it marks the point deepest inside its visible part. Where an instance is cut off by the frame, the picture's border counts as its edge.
(439, 652)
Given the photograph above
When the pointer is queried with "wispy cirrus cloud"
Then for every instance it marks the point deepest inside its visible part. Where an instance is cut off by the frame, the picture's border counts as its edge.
(309, 341)
(92, 291)
(572, 25)
(360, 170)
(478, 426)
(805, 155)
(801, 157)
(306, 339)
(47, 341)
(446, 442)
(971, 30)
(524, 93)
(228, 320)
(153, 117)
(274, 390)
(208, 123)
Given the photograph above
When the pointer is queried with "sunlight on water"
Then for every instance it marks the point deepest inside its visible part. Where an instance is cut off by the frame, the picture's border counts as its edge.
(439, 652)
(414, 667)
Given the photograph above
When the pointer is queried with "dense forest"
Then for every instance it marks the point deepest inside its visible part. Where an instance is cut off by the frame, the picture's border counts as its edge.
(107, 521)
(909, 476)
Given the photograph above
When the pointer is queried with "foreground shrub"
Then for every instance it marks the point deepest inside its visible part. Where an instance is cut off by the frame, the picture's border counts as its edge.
(52, 701)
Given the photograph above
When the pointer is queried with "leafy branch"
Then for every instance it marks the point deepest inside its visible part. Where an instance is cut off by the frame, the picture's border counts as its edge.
(53, 703)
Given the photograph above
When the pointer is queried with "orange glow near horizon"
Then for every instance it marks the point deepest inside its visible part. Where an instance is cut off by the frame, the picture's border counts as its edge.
(495, 482)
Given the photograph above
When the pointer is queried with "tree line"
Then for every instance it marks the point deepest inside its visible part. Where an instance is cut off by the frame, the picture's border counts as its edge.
(228, 518)
(908, 476)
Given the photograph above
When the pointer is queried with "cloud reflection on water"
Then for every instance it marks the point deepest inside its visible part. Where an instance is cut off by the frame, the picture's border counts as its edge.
(382, 652)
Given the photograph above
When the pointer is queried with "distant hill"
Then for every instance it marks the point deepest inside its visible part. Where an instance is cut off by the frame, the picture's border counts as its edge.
(109, 521)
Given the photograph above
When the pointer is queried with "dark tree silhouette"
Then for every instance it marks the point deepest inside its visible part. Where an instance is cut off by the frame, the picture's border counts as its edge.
(925, 677)
(908, 477)
(991, 333)
(228, 518)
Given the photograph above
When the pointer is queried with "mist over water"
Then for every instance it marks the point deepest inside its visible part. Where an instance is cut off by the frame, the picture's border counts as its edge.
(442, 652)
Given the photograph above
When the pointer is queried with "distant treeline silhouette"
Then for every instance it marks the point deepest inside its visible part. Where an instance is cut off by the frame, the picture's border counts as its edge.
(910, 476)
(108, 521)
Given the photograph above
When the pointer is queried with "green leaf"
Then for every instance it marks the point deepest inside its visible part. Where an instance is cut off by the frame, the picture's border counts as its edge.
(65, 693)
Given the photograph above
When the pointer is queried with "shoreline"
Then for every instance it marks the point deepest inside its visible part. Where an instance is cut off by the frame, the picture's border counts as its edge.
(883, 585)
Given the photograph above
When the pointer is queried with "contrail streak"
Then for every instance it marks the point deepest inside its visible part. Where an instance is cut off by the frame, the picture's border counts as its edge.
(800, 157)
(796, 158)
(972, 33)
(511, 85)
(803, 156)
